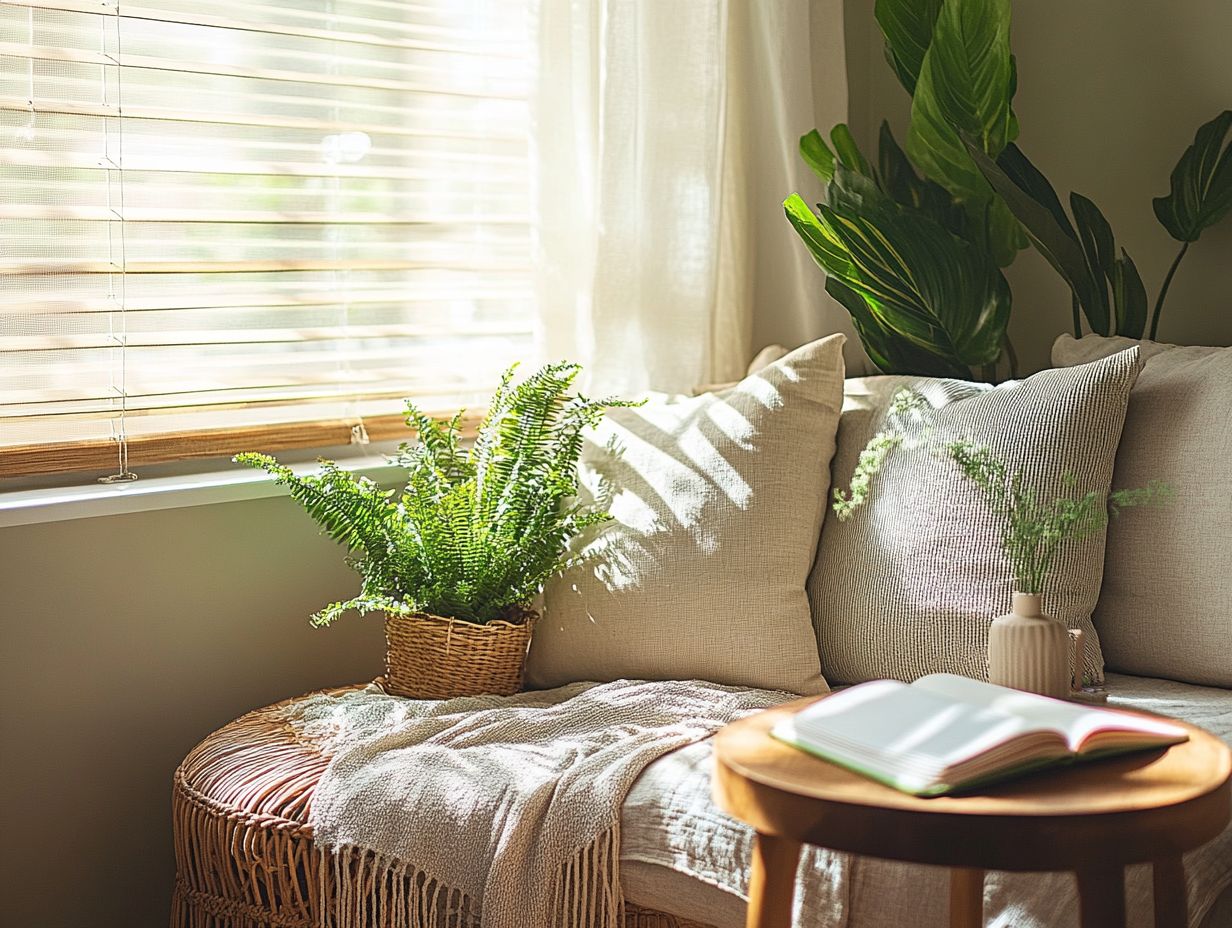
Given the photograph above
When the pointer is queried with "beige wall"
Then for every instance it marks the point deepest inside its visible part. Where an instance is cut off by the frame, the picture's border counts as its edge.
(1110, 93)
(125, 640)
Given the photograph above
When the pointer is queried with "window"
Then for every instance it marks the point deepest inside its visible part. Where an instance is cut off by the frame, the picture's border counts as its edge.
(254, 224)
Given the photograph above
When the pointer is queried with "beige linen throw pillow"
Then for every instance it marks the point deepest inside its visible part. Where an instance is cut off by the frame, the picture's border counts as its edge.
(1166, 605)
(716, 503)
(909, 585)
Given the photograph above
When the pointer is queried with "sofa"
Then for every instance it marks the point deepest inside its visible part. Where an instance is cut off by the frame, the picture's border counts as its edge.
(1163, 612)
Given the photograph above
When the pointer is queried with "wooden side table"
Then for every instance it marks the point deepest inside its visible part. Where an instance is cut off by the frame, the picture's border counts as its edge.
(1093, 819)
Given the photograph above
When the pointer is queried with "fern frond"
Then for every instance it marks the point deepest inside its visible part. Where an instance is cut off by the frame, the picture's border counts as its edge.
(472, 534)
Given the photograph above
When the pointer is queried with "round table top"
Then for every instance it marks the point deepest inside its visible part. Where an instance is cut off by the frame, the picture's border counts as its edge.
(1131, 808)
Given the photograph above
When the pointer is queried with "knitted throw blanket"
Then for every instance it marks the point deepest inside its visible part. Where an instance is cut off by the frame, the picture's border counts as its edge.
(440, 813)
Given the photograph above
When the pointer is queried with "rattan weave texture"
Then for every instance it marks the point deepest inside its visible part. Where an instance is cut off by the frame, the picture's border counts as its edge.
(430, 657)
(243, 845)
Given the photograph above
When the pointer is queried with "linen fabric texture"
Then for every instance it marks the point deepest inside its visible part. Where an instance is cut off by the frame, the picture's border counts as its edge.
(664, 139)
(716, 503)
(909, 585)
(1166, 605)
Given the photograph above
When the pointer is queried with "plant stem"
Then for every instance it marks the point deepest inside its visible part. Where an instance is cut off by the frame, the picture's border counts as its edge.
(989, 372)
(1163, 290)
(1073, 299)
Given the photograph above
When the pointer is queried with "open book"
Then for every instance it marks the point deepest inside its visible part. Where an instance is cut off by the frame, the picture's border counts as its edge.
(945, 733)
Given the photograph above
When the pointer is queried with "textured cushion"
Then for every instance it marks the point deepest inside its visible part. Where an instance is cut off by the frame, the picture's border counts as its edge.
(1166, 605)
(717, 501)
(909, 585)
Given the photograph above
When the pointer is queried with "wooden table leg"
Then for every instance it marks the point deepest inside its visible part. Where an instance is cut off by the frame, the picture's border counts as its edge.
(1101, 896)
(772, 882)
(966, 898)
(1171, 904)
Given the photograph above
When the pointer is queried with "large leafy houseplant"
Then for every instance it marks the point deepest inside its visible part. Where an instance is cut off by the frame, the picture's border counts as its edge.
(912, 247)
(475, 532)
(1105, 286)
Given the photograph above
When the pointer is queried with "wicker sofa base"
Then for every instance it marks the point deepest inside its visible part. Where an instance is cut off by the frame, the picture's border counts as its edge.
(243, 846)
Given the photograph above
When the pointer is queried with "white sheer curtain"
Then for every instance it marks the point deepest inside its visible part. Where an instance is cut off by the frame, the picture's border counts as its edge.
(665, 137)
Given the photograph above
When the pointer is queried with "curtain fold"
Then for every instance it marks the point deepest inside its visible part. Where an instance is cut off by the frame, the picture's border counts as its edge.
(664, 138)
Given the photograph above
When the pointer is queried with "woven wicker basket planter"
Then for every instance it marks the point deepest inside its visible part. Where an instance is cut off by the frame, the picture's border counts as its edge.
(243, 846)
(430, 657)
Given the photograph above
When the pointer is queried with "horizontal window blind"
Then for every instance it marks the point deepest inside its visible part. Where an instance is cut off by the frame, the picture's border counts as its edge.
(254, 224)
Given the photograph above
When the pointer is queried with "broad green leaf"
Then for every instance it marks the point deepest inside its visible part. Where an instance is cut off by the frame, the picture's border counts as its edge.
(898, 177)
(1201, 193)
(849, 154)
(1037, 208)
(1003, 234)
(1094, 233)
(923, 283)
(964, 87)
(890, 354)
(900, 182)
(829, 254)
(817, 155)
(1099, 247)
(1029, 178)
(1129, 297)
(908, 29)
(968, 70)
(852, 191)
(936, 148)
(1013, 127)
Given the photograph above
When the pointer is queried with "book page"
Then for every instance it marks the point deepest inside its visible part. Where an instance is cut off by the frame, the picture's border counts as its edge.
(907, 726)
(1077, 722)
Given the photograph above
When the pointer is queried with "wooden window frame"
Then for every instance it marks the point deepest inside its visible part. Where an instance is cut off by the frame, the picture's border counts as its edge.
(145, 450)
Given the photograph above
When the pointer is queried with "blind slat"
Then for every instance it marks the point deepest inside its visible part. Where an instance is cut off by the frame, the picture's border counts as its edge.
(245, 337)
(261, 121)
(245, 267)
(68, 307)
(197, 18)
(188, 375)
(217, 69)
(130, 214)
(271, 395)
(85, 162)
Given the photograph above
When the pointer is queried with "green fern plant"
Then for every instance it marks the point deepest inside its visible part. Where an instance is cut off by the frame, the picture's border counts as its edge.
(475, 532)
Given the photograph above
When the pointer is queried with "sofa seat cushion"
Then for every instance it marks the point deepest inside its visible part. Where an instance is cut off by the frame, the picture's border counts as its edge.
(680, 854)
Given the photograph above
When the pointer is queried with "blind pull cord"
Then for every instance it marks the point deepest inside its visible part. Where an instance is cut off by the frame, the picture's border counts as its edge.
(115, 169)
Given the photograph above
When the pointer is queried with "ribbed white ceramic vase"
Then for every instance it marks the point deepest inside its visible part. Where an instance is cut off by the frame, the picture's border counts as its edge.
(1029, 651)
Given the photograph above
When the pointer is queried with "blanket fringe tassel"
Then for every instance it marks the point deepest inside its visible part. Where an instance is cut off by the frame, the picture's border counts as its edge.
(587, 891)
(360, 889)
